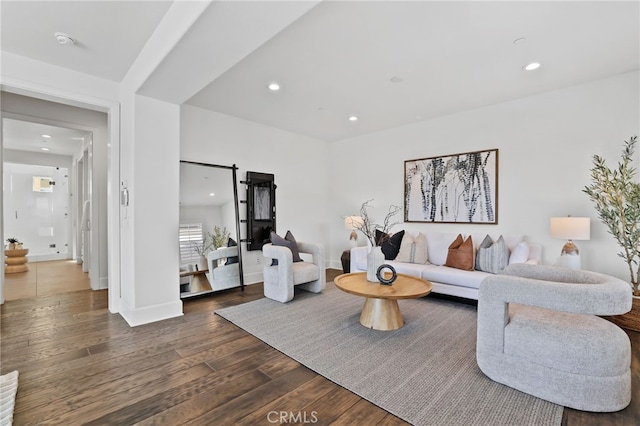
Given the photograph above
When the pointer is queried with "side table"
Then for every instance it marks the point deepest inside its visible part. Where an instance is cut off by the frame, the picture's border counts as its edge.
(15, 261)
(346, 261)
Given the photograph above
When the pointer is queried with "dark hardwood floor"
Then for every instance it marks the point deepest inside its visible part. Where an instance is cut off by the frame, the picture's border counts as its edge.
(79, 364)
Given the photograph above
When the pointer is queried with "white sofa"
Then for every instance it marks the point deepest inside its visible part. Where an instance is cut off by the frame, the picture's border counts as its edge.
(447, 280)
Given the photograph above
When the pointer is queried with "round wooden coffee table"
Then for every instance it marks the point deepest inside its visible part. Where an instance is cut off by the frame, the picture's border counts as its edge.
(381, 310)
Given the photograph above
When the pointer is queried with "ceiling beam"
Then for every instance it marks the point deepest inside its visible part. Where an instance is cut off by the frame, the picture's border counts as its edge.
(222, 36)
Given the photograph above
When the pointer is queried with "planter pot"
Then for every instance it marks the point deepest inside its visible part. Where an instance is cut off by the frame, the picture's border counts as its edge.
(375, 258)
(202, 263)
(630, 320)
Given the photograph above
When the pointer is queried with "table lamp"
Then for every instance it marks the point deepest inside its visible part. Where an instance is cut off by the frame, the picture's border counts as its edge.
(571, 228)
(353, 223)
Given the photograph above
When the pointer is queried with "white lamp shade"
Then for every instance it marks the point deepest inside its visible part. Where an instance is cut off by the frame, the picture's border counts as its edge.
(353, 222)
(571, 228)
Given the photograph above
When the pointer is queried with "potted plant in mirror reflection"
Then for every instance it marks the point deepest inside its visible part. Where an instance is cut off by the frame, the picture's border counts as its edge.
(13, 244)
(616, 195)
(368, 227)
(219, 237)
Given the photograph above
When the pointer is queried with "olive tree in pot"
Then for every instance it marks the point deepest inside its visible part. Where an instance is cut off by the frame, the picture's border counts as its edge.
(616, 195)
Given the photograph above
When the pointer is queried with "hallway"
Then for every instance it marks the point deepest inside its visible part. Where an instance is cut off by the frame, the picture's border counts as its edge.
(46, 278)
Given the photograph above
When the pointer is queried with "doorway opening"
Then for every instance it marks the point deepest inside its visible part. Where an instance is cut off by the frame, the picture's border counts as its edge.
(46, 181)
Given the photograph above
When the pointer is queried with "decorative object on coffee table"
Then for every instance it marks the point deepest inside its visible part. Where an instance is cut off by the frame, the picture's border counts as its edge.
(375, 258)
(376, 234)
(381, 277)
(616, 195)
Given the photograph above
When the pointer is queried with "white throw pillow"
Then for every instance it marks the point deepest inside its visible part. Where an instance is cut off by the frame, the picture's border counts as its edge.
(520, 253)
(413, 250)
(438, 246)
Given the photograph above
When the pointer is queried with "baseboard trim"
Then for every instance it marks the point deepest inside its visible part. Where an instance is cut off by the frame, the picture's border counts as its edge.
(149, 314)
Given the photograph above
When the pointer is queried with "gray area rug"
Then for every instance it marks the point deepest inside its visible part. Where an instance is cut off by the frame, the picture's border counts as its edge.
(8, 390)
(424, 373)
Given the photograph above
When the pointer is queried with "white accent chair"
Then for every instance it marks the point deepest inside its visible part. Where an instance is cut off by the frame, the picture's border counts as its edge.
(538, 332)
(223, 276)
(280, 279)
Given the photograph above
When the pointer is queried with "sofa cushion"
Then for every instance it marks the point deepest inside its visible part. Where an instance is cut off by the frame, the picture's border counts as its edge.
(583, 347)
(390, 243)
(232, 259)
(438, 246)
(510, 240)
(461, 254)
(454, 276)
(492, 256)
(520, 253)
(413, 269)
(289, 242)
(413, 250)
(304, 272)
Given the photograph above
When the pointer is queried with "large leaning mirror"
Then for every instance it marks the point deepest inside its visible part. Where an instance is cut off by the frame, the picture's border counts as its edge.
(210, 254)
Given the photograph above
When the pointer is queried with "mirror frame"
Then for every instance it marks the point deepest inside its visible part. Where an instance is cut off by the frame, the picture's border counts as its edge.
(233, 169)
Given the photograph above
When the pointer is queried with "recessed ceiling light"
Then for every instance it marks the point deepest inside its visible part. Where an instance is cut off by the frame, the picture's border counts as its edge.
(46, 136)
(45, 149)
(212, 194)
(274, 87)
(64, 38)
(353, 118)
(532, 66)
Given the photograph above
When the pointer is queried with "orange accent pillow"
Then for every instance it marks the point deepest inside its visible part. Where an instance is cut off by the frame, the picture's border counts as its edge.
(460, 254)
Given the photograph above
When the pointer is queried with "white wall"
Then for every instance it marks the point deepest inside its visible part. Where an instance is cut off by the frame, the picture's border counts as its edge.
(149, 224)
(546, 145)
(38, 219)
(298, 163)
(209, 216)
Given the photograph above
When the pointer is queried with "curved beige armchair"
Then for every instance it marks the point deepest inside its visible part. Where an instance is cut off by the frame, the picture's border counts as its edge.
(280, 279)
(223, 276)
(538, 332)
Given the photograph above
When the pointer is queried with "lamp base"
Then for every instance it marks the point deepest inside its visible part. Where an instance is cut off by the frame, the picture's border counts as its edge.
(570, 248)
(571, 261)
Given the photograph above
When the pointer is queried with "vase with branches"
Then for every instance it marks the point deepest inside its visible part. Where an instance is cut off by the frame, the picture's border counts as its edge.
(202, 247)
(616, 195)
(368, 227)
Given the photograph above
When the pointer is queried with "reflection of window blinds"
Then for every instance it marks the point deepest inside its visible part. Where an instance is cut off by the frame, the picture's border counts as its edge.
(190, 237)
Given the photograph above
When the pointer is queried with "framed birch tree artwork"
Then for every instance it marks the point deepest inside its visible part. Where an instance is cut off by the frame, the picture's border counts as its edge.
(459, 188)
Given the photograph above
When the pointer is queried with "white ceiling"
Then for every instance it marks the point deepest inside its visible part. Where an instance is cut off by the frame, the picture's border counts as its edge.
(339, 58)
(27, 136)
(198, 182)
(109, 34)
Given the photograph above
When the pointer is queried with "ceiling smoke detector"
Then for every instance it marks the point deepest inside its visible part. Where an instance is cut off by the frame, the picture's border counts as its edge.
(64, 38)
